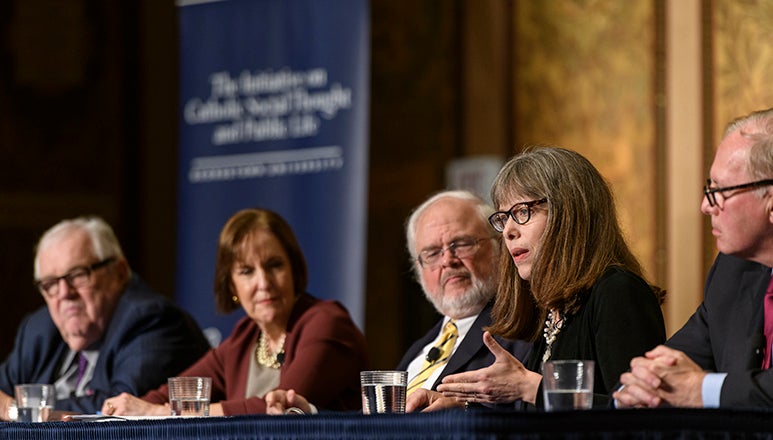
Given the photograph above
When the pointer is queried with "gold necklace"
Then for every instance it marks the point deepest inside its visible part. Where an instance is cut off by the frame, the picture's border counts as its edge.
(553, 326)
(263, 354)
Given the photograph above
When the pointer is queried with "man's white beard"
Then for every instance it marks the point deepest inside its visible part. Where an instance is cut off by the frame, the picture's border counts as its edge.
(471, 302)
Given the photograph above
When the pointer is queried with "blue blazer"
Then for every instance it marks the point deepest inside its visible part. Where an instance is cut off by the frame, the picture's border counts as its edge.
(147, 340)
(472, 353)
(725, 333)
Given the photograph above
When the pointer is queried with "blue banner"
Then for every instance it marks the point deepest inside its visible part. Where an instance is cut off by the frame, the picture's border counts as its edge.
(274, 114)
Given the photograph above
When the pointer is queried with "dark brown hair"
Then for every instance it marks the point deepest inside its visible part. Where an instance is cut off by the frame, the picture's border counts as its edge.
(235, 233)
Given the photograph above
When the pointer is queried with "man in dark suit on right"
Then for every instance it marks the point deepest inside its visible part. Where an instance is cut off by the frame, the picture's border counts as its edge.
(721, 357)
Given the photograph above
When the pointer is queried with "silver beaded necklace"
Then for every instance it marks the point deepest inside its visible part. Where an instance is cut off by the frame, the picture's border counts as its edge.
(553, 325)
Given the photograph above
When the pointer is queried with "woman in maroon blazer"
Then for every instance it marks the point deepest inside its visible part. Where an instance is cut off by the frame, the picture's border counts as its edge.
(288, 339)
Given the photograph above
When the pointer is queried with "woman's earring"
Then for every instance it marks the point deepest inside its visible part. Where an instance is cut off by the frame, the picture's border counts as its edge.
(235, 299)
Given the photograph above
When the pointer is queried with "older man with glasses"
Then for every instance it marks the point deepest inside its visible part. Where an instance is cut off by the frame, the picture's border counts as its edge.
(102, 331)
(455, 256)
(721, 357)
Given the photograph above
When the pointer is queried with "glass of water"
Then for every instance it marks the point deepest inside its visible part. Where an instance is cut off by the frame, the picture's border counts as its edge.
(383, 391)
(34, 402)
(189, 396)
(567, 385)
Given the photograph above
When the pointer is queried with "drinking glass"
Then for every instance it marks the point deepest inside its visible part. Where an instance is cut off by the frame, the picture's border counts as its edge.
(189, 396)
(567, 385)
(34, 402)
(383, 391)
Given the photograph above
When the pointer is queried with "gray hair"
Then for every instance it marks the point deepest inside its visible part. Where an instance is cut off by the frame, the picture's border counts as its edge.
(757, 127)
(104, 243)
(482, 290)
(482, 207)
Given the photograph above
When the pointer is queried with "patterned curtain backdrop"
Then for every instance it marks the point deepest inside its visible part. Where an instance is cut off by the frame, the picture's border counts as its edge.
(584, 77)
(739, 70)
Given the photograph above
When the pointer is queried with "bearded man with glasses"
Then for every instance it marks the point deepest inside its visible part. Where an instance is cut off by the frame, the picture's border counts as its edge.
(721, 357)
(102, 331)
(455, 257)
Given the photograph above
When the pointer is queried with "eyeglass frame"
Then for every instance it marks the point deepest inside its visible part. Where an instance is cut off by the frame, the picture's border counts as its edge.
(70, 275)
(509, 213)
(451, 248)
(710, 193)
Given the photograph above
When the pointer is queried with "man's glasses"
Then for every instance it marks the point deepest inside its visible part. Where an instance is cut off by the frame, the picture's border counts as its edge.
(462, 248)
(520, 213)
(76, 278)
(711, 193)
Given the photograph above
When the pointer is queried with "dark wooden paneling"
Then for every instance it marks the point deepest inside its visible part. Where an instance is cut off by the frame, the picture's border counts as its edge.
(66, 130)
(414, 132)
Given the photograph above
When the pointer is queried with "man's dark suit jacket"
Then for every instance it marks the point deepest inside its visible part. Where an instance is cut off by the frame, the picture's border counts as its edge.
(725, 333)
(472, 353)
(148, 340)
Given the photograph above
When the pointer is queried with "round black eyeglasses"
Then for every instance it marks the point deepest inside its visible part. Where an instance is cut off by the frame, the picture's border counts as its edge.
(520, 213)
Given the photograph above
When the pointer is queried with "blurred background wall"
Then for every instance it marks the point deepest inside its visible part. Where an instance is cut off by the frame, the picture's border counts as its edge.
(643, 88)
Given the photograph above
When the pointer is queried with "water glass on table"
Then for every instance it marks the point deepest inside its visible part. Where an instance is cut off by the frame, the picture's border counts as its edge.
(34, 402)
(189, 396)
(383, 391)
(567, 385)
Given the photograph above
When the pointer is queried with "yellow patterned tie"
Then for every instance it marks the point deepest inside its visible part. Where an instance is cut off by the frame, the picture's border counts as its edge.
(437, 356)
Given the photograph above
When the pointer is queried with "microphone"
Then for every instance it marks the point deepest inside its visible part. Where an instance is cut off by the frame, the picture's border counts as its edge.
(433, 354)
(280, 357)
(758, 343)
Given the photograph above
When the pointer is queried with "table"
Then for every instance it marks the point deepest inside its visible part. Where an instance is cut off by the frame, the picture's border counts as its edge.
(455, 424)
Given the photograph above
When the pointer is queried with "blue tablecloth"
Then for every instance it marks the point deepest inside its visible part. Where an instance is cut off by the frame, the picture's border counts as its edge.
(595, 424)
